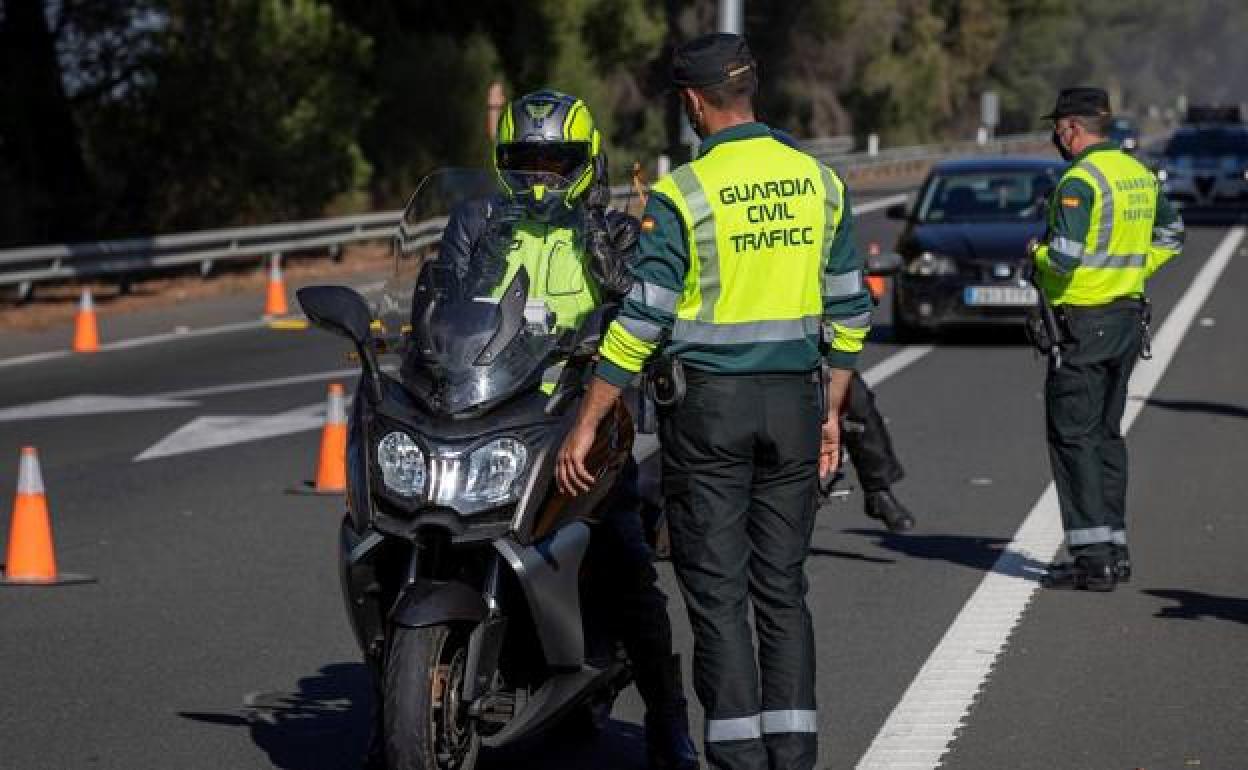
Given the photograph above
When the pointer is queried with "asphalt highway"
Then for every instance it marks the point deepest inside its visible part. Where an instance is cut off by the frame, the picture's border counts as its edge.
(214, 636)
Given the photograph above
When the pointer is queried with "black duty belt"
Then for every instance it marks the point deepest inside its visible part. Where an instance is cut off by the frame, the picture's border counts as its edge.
(1122, 303)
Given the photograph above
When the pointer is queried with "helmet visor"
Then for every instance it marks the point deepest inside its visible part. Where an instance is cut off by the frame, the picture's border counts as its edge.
(565, 159)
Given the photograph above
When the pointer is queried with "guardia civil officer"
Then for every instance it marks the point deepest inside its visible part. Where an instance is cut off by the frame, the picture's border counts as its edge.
(746, 278)
(1109, 229)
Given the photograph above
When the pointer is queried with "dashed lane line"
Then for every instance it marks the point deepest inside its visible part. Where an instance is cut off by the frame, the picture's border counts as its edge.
(181, 333)
(922, 727)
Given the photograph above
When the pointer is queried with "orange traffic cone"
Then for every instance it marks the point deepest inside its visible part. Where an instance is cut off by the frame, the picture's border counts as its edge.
(275, 298)
(331, 470)
(86, 332)
(31, 558)
(876, 284)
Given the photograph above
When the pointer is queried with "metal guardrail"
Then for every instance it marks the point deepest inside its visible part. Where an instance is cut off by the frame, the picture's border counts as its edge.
(929, 152)
(25, 267)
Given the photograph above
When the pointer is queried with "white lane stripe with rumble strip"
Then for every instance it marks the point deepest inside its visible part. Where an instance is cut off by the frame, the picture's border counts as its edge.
(921, 728)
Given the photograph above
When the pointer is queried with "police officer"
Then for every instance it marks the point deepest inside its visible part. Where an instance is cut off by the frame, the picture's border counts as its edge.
(552, 218)
(870, 449)
(1109, 229)
(745, 264)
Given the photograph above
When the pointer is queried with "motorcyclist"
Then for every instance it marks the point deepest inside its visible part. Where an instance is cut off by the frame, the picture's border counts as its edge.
(551, 216)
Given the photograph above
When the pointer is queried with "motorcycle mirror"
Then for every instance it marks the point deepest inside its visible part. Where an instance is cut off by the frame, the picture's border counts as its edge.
(342, 310)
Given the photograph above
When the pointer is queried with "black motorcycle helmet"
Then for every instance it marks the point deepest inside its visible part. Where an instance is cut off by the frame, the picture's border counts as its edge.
(546, 152)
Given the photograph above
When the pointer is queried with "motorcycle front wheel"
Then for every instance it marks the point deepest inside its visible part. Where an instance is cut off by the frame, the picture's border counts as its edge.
(426, 725)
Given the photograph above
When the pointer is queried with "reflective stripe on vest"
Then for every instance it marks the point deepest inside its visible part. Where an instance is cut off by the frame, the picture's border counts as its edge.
(757, 244)
(1111, 261)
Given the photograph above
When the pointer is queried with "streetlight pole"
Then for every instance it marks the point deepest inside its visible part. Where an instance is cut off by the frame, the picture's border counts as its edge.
(732, 16)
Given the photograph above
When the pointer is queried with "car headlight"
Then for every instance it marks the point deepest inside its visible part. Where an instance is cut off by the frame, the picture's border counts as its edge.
(402, 464)
(928, 264)
(493, 470)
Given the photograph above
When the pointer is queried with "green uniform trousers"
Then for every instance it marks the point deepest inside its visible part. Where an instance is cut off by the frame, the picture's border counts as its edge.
(1085, 399)
(740, 467)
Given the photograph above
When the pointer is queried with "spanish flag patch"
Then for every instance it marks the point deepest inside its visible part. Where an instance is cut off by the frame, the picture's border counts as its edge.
(1070, 203)
(647, 224)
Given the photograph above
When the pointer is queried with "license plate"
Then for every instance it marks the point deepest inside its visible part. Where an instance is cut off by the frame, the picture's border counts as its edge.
(1000, 296)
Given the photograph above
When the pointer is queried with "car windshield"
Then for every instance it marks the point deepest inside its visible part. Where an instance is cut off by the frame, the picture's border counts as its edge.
(466, 337)
(987, 196)
(1216, 142)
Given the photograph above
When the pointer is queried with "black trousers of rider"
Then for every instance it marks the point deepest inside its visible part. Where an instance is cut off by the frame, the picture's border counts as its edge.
(870, 449)
(740, 465)
(1085, 399)
(625, 598)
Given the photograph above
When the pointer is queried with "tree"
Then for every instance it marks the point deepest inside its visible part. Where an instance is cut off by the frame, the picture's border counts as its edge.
(45, 188)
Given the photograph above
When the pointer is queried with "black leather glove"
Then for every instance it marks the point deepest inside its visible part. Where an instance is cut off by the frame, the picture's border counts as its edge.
(598, 197)
(607, 263)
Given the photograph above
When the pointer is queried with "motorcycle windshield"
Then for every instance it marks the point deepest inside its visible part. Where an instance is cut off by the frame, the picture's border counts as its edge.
(473, 334)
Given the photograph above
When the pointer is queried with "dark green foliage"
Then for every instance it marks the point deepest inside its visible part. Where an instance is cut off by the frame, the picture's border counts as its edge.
(120, 118)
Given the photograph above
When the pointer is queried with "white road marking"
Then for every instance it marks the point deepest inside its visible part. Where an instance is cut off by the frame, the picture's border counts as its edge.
(922, 727)
(878, 203)
(185, 334)
(278, 382)
(179, 333)
(78, 406)
(215, 432)
(33, 358)
(895, 363)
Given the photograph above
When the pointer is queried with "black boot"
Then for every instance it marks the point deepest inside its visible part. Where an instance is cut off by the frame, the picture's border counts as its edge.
(882, 505)
(1082, 574)
(1122, 564)
(668, 743)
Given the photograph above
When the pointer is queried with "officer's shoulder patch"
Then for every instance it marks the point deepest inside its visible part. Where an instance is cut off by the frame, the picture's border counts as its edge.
(1071, 202)
(648, 224)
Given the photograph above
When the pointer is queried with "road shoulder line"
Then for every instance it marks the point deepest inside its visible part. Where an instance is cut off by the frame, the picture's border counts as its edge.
(923, 725)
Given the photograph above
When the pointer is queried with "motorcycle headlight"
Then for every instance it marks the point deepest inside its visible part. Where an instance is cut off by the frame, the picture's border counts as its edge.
(493, 470)
(929, 264)
(402, 464)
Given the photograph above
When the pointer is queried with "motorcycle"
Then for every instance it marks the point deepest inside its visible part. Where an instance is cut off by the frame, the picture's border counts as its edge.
(461, 562)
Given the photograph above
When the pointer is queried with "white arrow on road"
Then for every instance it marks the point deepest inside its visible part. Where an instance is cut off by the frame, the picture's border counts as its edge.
(214, 432)
(78, 406)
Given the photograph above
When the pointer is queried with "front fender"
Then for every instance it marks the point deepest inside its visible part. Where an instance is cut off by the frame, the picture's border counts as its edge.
(431, 602)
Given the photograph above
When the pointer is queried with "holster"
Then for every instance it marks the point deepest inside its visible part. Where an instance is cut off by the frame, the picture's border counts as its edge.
(1038, 332)
(1146, 329)
(665, 380)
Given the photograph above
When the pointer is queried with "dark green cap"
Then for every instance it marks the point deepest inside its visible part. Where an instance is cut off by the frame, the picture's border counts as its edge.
(1082, 100)
(710, 59)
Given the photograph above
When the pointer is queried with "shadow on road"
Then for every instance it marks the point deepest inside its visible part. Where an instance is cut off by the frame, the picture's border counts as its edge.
(1207, 407)
(979, 553)
(1195, 605)
(324, 725)
(849, 555)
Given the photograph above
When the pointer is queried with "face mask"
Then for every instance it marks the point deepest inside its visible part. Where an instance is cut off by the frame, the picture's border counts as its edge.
(693, 120)
(1056, 138)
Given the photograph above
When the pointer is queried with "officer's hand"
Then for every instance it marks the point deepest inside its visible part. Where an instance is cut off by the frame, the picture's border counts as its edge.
(571, 474)
(830, 447)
